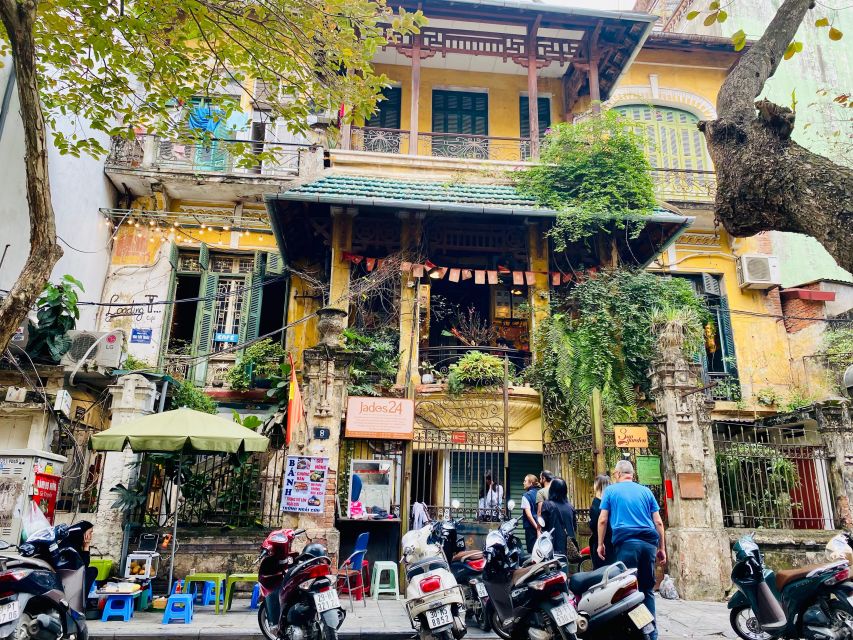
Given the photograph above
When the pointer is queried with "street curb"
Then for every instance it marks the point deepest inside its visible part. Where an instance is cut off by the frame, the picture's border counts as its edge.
(234, 634)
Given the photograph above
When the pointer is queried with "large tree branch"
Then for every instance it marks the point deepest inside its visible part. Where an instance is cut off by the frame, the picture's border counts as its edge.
(18, 17)
(765, 180)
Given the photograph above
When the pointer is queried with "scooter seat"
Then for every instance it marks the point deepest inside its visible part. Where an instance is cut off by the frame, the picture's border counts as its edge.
(463, 556)
(525, 573)
(580, 582)
(785, 577)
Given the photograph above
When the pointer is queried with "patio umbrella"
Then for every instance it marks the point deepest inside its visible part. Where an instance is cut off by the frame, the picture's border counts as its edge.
(184, 431)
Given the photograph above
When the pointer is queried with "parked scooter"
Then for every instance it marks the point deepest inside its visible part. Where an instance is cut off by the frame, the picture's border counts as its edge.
(42, 589)
(298, 591)
(530, 601)
(812, 602)
(434, 601)
(467, 568)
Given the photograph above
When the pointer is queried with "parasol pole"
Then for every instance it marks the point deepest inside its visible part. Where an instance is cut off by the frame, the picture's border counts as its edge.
(175, 524)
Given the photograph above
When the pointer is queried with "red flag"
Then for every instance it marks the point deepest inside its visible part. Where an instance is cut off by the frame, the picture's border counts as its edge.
(295, 408)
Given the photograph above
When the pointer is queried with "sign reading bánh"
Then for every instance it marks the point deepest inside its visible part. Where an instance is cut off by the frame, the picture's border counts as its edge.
(304, 488)
(632, 437)
(386, 418)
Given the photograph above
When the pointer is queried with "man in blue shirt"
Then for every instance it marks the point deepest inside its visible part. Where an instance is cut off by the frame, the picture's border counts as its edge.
(638, 536)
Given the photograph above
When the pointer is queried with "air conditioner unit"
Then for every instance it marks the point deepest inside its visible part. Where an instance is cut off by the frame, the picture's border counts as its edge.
(106, 354)
(758, 271)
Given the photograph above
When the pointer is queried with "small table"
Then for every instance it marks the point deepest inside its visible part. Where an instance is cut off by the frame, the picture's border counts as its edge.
(233, 579)
(216, 578)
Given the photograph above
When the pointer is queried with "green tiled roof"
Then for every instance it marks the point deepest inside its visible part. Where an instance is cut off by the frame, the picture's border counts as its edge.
(380, 189)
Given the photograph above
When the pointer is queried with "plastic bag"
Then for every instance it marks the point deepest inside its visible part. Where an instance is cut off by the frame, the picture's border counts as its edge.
(667, 588)
(838, 549)
(32, 521)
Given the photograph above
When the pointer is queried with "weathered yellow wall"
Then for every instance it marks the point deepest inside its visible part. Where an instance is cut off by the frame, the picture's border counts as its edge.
(700, 73)
(504, 92)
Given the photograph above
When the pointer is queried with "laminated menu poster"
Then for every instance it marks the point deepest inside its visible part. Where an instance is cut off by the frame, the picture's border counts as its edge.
(304, 484)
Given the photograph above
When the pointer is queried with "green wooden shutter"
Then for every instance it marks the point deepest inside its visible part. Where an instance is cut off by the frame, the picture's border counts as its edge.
(460, 112)
(252, 296)
(544, 108)
(728, 336)
(204, 325)
(203, 257)
(671, 139)
(275, 264)
(388, 109)
(168, 309)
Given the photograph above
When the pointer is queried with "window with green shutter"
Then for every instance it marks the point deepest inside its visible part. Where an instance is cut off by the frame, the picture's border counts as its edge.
(671, 139)
(460, 112)
(388, 109)
(544, 111)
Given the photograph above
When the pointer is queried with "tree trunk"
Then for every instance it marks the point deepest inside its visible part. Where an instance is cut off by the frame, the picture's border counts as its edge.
(18, 17)
(765, 180)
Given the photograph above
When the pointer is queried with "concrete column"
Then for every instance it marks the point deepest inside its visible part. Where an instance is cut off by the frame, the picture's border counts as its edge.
(132, 397)
(341, 241)
(411, 227)
(414, 115)
(149, 151)
(835, 425)
(539, 294)
(697, 546)
(532, 87)
(325, 376)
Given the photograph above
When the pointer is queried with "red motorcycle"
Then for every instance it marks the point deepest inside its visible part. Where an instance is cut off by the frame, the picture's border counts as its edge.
(299, 600)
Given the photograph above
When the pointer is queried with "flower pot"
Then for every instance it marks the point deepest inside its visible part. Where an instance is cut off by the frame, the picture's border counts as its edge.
(331, 323)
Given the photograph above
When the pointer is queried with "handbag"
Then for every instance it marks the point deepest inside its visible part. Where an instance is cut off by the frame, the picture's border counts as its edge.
(572, 553)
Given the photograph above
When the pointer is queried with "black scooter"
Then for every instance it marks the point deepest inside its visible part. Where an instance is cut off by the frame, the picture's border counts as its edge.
(42, 589)
(467, 568)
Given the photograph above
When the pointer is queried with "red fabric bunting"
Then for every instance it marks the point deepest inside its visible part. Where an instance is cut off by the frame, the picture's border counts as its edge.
(555, 278)
(454, 275)
(517, 277)
(467, 274)
(502, 269)
(371, 263)
(418, 270)
(429, 265)
(479, 276)
(567, 277)
(438, 273)
(493, 277)
(406, 267)
(530, 277)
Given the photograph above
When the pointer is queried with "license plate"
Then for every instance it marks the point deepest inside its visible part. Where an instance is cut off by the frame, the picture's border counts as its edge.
(641, 616)
(9, 612)
(481, 590)
(439, 617)
(326, 600)
(563, 615)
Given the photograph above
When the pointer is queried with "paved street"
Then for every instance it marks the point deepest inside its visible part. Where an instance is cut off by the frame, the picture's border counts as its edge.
(387, 618)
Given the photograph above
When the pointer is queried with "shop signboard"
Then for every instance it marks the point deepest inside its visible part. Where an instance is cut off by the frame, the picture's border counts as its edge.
(380, 418)
(632, 437)
(304, 484)
(648, 470)
(45, 490)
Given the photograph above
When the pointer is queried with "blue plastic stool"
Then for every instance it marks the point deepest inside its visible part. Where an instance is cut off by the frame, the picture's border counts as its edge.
(207, 596)
(179, 607)
(177, 587)
(256, 596)
(118, 604)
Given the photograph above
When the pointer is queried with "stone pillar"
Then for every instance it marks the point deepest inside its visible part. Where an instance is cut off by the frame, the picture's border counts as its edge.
(835, 425)
(341, 242)
(698, 549)
(132, 397)
(411, 228)
(325, 376)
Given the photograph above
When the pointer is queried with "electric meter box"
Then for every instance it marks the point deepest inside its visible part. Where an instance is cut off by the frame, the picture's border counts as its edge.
(141, 565)
(21, 473)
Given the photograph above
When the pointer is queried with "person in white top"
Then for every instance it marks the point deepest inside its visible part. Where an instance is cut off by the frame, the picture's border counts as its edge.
(491, 499)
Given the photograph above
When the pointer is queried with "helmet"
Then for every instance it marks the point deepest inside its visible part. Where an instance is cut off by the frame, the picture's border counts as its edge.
(314, 549)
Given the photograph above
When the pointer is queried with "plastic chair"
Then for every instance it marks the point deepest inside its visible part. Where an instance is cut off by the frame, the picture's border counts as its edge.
(350, 578)
(378, 587)
(179, 607)
(256, 596)
(118, 604)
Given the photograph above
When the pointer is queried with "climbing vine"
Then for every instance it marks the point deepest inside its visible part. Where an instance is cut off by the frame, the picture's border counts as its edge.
(595, 174)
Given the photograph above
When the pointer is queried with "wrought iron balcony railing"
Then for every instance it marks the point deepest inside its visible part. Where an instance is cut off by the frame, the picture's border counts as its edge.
(232, 157)
(685, 185)
(726, 386)
(440, 145)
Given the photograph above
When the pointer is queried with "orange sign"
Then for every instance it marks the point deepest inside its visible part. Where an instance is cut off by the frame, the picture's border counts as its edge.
(632, 437)
(381, 418)
(459, 437)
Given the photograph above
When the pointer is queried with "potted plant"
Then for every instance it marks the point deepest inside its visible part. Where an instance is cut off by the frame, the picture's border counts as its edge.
(256, 366)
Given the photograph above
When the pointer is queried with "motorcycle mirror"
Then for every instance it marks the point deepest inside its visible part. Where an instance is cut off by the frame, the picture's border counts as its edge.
(541, 521)
(510, 504)
(455, 504)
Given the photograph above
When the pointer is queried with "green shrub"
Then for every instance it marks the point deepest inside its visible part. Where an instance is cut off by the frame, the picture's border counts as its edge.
(260, 360)
(475, 369)
(376, 357)
(190, 396)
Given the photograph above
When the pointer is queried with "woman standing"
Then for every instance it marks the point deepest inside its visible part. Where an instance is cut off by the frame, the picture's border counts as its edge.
(560, 517)
(528, 506)
(601, 483)
(491, 499)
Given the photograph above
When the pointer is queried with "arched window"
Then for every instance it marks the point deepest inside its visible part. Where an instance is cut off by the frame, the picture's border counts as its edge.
(671, 139)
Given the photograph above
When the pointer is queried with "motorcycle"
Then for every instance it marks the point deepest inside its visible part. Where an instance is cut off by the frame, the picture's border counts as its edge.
(467, 568)
(813, 602)
(610, 604)
(530, 601)
(434, 601)
(299, 599)
(42, 589)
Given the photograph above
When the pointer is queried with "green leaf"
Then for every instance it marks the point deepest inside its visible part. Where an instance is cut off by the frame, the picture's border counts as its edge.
(692, 15)
(792, 49)
(822, 22)
(739, 39)
(722, 16)
(72, 280)
(714, 5)
(711, 19)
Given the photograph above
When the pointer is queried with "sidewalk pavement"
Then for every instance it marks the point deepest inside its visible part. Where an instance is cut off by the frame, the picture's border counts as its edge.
(386, 620)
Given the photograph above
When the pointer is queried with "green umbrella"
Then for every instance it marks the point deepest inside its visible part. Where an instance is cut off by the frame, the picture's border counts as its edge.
(184, 431)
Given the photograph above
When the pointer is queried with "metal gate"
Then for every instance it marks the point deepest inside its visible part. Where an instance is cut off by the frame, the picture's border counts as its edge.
(457, 444)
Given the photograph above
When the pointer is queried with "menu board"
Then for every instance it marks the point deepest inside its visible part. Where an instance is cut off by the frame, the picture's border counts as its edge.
(304, 484)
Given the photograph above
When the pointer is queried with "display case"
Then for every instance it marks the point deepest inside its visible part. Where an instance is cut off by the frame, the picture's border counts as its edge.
(141, 565)
(377, 484)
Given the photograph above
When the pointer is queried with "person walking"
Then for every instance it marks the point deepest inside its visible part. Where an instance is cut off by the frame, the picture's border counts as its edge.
(632, 512)
(545, 479)
(528, 504)
(560, 518)
(600, 484)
